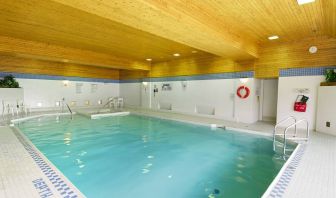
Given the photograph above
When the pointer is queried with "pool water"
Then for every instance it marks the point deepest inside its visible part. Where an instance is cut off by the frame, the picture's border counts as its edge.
(137, 156)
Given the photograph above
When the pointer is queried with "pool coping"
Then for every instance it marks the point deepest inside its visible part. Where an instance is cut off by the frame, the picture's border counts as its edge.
(215, 126)
(104, 115)
(13, 121)
(60, 182)
(275, 189)
(280, 183)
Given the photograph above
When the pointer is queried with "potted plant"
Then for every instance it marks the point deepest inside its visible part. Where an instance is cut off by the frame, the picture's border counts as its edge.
(330, 77)
(9, 82)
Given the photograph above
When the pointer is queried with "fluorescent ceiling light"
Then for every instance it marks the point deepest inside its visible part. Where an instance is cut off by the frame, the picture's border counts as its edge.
(301, 2)
(273, 37)
(176, 54)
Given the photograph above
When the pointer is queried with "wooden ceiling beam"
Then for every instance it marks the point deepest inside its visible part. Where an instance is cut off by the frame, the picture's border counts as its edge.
(40, 67)
(173, 20)
(47, 52)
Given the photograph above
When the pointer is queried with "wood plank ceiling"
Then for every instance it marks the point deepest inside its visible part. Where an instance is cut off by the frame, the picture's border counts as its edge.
(241, 24)
(54, 23)
(129, 31)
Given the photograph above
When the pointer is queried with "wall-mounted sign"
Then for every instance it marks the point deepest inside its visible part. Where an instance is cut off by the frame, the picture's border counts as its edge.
(166, 87)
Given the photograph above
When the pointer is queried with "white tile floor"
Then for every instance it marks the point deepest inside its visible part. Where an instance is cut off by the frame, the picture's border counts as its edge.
(21, 175)
(315, 175)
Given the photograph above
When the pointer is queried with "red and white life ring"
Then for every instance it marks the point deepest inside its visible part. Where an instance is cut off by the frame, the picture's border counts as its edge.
(246, 90)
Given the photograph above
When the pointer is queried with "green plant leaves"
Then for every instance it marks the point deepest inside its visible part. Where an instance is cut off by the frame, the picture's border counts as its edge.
(9, 82)
(330, 75)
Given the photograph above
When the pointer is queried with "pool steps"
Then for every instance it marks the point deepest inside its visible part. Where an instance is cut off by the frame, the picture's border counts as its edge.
(284, 134)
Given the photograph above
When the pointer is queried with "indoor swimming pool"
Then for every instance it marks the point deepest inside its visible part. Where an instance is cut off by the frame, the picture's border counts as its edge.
(138, 156)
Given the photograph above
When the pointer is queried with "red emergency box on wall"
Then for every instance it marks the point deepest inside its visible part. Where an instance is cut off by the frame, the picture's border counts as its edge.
(301, 105)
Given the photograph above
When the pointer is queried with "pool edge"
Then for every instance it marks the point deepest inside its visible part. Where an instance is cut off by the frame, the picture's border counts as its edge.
(280, 183)
(276, 188)
(55, 176)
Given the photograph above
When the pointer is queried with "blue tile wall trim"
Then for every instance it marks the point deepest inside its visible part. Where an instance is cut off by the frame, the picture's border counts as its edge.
(280, 187)
(48, 77)
(229, 75)
(62, 187)
(312, 71)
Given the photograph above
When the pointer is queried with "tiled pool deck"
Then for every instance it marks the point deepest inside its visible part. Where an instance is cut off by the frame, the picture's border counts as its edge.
(25, 172)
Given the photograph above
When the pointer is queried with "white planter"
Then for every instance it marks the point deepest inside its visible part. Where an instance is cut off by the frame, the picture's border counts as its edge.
(326, 108)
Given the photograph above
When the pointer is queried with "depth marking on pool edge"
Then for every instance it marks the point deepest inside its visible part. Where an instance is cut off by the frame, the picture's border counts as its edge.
(42, 187)
(59, 184)
(282, 184)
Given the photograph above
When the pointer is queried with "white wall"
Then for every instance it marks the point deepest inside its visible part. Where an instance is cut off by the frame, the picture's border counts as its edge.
(146, 93)
(287, 94)
(219, 94)
(247, 110)
(47, 92)
(270, 99)
(131, 92)
(326, 109)
(203, 93)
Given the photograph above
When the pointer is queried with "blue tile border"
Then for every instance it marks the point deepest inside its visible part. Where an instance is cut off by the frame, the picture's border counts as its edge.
(228, 75)
(49, 77)
(62, 187)
(285, 178)
(311, 71)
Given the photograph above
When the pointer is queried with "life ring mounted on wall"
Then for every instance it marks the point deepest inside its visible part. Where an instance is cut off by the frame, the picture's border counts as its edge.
(246, 92)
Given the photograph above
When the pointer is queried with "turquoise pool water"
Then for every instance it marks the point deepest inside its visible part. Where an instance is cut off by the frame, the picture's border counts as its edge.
(137, 156)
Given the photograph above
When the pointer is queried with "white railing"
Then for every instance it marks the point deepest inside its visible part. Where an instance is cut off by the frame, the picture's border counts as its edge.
(277, 125)
(69, 109)
(285, 132)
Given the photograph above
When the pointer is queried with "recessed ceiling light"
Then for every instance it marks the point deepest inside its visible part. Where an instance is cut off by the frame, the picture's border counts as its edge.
(274, 37)
(176, 54)
(148, 59)
(301, 2)
(313, 49)
(194, 51)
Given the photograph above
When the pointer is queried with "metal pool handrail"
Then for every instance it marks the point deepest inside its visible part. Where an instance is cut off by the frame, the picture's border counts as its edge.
(69, 110)
(108, 103)
(63, 102)
(303, 120)
(282, 121)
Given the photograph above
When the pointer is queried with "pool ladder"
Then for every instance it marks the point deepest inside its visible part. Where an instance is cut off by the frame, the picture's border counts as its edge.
(285, 135)
(109, 102)
(69, 109)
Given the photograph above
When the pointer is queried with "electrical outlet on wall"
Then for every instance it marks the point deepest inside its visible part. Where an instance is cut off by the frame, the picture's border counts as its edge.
(327, 124)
